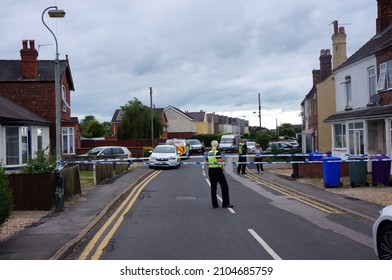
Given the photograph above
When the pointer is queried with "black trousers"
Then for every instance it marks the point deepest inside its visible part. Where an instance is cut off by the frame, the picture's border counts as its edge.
(217, 176)
(259, 165)
(241, 167)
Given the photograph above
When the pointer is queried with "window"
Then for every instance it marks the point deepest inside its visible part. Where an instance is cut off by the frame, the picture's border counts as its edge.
(385, 78)
(348, 92)
(68, 140)
(372, 81)
(24, 141)
(340, 136)
(16, 139)
(64, 99)
(315, 104)
(39, 139)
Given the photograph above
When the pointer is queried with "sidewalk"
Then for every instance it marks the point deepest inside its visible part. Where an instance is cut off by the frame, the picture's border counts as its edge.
(54, 235)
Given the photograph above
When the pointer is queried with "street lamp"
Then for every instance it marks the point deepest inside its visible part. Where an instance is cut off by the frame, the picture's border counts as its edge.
(56, 13)
(152, 120)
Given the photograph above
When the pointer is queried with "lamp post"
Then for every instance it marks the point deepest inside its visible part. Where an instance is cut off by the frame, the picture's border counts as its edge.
(152, 120)
(54, 12)
(259, 113)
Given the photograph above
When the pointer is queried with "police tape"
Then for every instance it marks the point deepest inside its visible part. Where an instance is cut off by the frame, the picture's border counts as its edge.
(145, 161)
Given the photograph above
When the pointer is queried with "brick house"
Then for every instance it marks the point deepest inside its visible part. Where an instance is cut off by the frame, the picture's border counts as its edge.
(30, 83)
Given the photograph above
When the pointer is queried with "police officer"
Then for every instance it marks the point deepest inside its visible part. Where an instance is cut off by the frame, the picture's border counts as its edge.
(216, 175)
(242, 156)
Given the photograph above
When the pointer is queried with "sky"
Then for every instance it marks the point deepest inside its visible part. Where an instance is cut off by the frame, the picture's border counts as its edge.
(210, 55)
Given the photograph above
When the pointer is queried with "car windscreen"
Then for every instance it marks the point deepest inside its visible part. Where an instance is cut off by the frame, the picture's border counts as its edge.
(193, 142)
(163, 149)
(95, 151)
(227, 140)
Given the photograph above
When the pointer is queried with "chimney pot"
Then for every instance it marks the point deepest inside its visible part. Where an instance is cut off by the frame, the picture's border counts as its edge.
(32, 44)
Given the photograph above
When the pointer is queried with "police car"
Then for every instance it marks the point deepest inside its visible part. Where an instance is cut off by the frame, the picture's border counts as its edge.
(165, 155)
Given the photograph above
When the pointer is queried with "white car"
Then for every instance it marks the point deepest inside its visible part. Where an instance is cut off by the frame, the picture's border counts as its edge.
(109, 151)
(251, 147)
(164, 156)
(382, 234)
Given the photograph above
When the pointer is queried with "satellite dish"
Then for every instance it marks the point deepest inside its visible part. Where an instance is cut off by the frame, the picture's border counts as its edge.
(375, 98)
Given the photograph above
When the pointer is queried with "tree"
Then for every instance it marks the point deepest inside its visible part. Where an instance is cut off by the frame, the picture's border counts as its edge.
(136, 122)
(108, 128)
(287, 130)
(90, 127)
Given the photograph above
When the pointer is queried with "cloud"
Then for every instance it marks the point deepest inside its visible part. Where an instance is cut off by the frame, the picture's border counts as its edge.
(197, 55)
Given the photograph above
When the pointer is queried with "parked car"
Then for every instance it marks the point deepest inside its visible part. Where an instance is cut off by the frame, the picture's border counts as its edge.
(195, 146)
(382, 234)
(251, 147)
(109, 151)
(278, 148)
(165, 155)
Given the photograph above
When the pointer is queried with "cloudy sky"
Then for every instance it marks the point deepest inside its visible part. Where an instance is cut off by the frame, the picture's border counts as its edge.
(211, 55)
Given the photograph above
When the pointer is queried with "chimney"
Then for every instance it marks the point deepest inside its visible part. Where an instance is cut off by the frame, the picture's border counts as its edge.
(325, 64)
(316, 77)
(338, 45)
(29, 60)
(384, 15)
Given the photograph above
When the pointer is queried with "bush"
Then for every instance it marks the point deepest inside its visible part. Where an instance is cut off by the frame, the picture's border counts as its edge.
(41, 163)
(5, 197)
(146, 151)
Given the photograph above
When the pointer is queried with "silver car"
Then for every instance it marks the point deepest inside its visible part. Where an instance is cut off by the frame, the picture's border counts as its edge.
(382, 234)
(109, 151)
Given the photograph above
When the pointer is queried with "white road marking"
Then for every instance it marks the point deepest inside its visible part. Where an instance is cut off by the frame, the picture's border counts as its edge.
(264, 245)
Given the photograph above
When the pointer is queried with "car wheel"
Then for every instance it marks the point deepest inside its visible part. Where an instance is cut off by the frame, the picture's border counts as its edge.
(385, 243)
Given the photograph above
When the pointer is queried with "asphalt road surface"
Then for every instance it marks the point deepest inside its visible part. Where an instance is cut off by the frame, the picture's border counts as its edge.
(172, 219)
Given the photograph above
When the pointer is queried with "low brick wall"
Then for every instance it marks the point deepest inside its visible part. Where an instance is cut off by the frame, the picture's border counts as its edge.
(315, 170)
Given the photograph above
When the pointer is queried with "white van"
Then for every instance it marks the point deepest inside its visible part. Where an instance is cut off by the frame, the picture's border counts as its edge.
(229, 143)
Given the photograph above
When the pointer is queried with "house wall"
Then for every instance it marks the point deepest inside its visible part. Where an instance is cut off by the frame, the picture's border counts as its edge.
(359, 84)
(179, 123)
(44, 130)
(326, 101)
(202, 127)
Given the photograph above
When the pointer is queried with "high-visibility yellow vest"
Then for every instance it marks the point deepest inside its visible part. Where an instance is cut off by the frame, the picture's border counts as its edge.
(240, 148)
(212, 160)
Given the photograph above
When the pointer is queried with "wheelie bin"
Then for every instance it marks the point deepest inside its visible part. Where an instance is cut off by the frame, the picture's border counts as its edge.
(315, 156)
(358, 172)
(331, 171)
(381, 170)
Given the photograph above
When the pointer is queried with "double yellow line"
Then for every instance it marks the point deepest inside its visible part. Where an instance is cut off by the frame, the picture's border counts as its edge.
(98, 243)
(322, 206)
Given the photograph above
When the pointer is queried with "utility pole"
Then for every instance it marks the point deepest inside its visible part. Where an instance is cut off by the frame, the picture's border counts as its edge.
(259, 113)
(152, 120)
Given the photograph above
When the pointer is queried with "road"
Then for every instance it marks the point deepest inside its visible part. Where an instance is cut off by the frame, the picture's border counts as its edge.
(170, 217)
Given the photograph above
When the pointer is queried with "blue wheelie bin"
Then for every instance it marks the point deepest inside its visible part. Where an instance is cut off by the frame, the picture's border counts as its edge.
(381, 170)
(331, 172)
